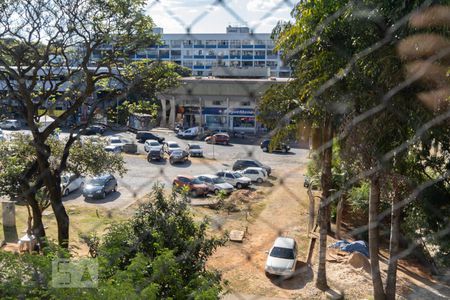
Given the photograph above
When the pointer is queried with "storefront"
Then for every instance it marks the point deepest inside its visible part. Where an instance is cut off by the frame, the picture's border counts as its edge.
(242, 119)
(235, 119)
(189, 116)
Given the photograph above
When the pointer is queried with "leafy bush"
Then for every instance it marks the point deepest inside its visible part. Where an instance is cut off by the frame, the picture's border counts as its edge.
(358, 198)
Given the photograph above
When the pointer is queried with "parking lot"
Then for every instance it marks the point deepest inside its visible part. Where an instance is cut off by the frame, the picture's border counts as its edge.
(142, 175)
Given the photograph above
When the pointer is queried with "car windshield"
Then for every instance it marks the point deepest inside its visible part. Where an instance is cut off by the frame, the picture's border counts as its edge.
(258, 162)
(194, 147)
(218, 180)
(196, 181)
(237, 175)
(97, 181)
(174, 145)
(115, 141)
(284, 253)
(154, 144)
(64, 179)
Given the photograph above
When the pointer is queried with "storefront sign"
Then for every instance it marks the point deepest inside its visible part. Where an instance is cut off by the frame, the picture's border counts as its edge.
(232, 111)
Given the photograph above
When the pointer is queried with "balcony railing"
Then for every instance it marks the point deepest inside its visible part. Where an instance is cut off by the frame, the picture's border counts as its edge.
(199, 46)
(211, 46)
(223, 46)
(260, 57)
(247, 57)
(247, 46)
(199, 67)
(211, 56)
(260, 46)
(199, 56)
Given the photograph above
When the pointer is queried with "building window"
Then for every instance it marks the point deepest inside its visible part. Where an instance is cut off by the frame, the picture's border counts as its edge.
(187, 43)
(223, 43)
(243, 122)
(217, 103)
(245, 103)
(187, 63)
(235, 44)
(175, 44)
(215, 121)
(211, 43)
(198, 43)
(272, 64)
(247, 42)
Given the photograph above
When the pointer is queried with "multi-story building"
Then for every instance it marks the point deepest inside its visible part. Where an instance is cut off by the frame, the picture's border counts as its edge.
(238, 47)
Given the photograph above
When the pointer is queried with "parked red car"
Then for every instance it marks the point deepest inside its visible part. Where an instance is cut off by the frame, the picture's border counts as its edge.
(196, 187)
(218, 138)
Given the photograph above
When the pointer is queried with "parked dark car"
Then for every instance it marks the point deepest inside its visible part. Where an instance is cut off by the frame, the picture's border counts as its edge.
(142, 136)
(218, 138)
(195, 186)
(265, 146)
(94, 129)
(241, 164)
(177, 156)
(194, 150)
(155, 154)
(100, 186)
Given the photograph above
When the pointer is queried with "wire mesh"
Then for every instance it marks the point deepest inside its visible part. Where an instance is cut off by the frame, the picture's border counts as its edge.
(288, 179)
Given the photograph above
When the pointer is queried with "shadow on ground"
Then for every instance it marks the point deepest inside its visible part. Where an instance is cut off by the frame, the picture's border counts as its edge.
(303, 275)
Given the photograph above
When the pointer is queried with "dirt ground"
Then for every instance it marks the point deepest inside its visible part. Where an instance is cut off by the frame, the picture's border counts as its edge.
(283, 211)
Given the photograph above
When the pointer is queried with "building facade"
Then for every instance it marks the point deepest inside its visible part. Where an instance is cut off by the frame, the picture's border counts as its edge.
(228, 104)
(238, 48)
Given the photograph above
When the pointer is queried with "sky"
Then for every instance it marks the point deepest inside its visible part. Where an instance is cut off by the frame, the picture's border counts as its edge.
(213, 16)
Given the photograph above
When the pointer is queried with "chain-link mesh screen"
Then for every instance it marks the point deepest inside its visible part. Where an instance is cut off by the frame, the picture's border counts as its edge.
(280, 205)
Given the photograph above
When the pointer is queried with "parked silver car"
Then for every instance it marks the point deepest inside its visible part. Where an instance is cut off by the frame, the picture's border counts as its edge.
(10, 124)
(70, 183)
(216, 184)
(282, 257)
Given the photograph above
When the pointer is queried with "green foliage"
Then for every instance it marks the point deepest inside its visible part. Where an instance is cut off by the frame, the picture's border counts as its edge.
(145, 78)
(358, 198)
(160, 253)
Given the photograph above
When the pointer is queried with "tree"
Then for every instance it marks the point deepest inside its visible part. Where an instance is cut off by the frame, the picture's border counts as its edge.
(47, 59)
(144, 79)
(86, 158)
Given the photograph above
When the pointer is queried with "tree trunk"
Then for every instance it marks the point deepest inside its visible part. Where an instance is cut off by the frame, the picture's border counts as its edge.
(37, 227)
(321, 281)
(393, 250)
(52, 181)
(374, 200)
(339, 210)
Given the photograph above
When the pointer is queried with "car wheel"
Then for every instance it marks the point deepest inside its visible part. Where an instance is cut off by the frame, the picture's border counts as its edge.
(259, 180)
(149, 159)
(103, 195)
(285, 150)
(239, 185)
(171, 161)
(81, 186)
(194, 193)
(115, 188)
(265, 149)
(66, 192)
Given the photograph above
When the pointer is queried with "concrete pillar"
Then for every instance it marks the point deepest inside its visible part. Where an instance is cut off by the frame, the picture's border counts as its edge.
(172, 114)
(163, 112)
(9, 221)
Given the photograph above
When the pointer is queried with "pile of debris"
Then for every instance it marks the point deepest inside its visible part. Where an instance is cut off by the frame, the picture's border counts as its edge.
(241, 200)
(356, 254)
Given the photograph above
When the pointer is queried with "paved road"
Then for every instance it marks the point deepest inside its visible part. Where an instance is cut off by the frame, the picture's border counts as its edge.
(141, 175)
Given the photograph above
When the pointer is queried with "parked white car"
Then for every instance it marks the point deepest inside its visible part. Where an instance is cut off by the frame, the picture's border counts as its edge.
(10, 124)
(235, 179)
(113, 148)
(256, 174)
(116, 141)
(171, 146)
(2, 136)
(216, 184)
(282, 257)
(70, 183)
(152, 145)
